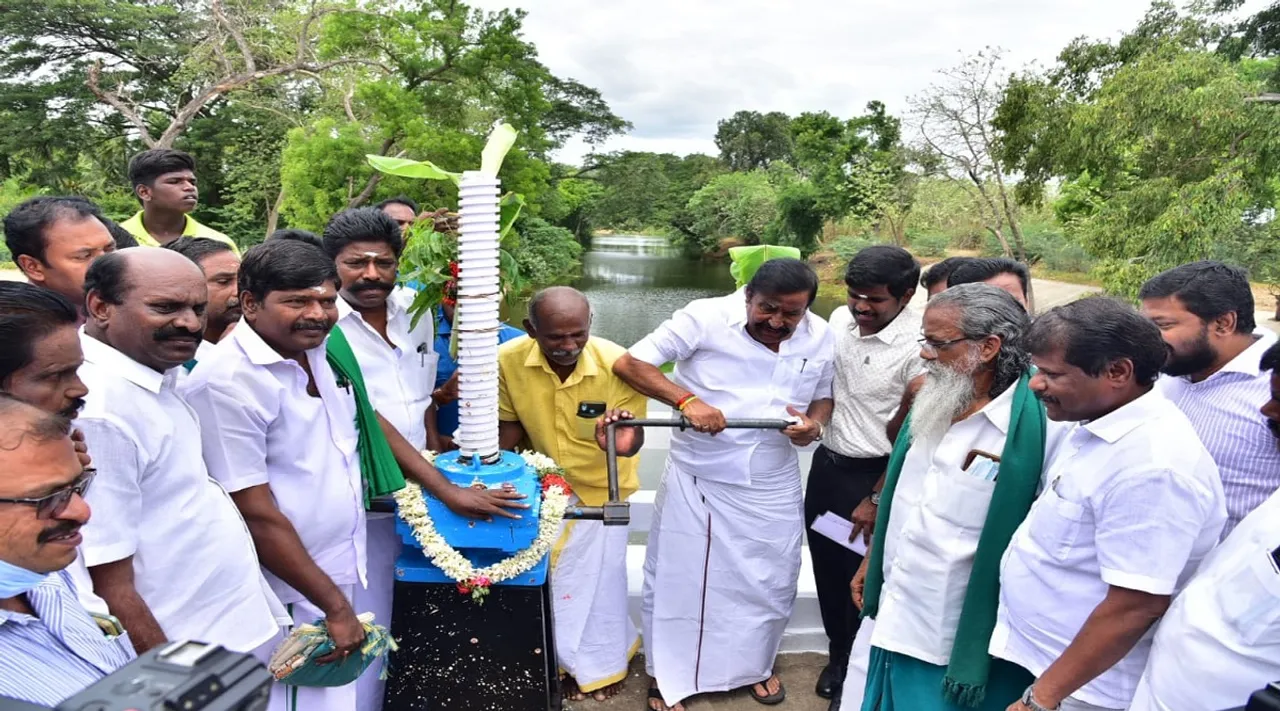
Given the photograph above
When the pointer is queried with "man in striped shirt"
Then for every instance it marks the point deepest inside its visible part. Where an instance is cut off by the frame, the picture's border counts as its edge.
(50, 648)
(1205, 312)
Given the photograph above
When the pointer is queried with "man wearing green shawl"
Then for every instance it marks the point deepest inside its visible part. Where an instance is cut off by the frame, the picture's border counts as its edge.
(289, 431)
(962, 476)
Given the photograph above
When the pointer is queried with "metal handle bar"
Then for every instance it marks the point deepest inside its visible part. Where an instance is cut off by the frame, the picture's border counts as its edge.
(618, 513)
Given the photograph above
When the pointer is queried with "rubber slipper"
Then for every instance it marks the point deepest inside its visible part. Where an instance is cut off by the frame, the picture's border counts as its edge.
(772, 699)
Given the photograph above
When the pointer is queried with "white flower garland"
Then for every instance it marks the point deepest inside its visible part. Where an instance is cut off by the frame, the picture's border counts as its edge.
(472, 580)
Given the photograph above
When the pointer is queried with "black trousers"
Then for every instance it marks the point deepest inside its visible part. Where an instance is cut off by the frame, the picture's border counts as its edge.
(837, 484)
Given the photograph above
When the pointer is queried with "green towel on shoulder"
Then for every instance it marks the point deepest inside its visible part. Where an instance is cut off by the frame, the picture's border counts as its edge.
(1021, 464)
(382, 474)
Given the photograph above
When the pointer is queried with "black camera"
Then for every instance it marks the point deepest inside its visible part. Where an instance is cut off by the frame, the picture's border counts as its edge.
(180, 676)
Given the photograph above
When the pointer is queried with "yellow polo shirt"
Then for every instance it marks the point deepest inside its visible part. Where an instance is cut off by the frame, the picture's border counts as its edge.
(133, 226)
(530, 393)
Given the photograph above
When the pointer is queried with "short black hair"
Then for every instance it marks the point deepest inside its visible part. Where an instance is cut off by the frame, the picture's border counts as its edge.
(124, 238)
(940, 272)
(310, 238)
(1271, 359)
(784, 275)
(27, 314)
(284, 265)
(1097, 331)
(26, 224)
(883, 265)
(145, 167)
(107, 275)
(399, 200)
(976, 269)
(1208, 289)
(197, 248)
(363, 224)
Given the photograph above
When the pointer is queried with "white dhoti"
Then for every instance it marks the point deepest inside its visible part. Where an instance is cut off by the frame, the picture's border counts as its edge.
(383, 546)
(595, 637)
(855, 679)
(720, 577)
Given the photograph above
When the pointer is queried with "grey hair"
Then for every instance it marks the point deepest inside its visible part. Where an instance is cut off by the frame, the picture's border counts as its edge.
(987, 311)
(535, 302)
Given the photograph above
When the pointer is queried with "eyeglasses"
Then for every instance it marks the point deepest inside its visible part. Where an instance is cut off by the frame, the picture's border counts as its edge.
(933, 347)
(52, 505)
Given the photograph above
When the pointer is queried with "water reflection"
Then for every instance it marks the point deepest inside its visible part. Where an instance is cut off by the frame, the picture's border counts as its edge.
(636, 282)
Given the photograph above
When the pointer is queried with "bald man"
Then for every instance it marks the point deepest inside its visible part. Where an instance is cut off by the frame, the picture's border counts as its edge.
(554, 386)
(166, 548)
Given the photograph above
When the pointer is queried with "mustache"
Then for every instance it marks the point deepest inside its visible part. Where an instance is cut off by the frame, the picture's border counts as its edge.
(177, 333)
(366, 285)
(310, 325)
(566, 354)
(73, 409)
(63, 528)
(784, 330)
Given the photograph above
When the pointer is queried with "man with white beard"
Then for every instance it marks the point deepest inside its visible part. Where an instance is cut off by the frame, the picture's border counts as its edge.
(963, 474)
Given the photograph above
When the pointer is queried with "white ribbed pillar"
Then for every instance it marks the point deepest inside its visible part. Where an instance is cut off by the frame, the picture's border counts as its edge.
(479, 296)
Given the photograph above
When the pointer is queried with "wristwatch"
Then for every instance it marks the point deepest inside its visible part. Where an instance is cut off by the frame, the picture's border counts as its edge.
(1029, 700)
(875, 501)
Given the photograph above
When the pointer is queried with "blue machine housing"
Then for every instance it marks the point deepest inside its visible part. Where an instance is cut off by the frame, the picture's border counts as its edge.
(482, 542)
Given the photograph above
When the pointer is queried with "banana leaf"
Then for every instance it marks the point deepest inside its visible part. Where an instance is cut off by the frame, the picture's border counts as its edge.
(746, 261)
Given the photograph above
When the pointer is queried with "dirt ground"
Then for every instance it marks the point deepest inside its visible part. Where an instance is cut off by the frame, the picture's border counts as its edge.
(799, 673)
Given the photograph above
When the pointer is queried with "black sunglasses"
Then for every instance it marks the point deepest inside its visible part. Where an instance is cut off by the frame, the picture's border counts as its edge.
(52, 505)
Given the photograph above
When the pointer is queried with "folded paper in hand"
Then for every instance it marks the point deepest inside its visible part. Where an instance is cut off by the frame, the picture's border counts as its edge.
(838, 529)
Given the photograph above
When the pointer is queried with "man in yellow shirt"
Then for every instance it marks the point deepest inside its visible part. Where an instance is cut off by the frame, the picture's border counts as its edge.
(553, 387)
(164, 181)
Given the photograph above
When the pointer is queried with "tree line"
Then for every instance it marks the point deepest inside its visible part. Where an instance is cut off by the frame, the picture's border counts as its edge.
(1122, 157)
(280, 101)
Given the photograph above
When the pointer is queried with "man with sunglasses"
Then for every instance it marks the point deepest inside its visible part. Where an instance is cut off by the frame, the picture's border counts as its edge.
(167, 548)
(961, 477)
(50, 647)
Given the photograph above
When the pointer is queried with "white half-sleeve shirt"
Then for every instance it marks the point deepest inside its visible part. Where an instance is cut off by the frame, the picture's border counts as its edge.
(399, 376)
(261, 427)
(1133, 500)
(153, 500)
(1220, 640)
(717, 360)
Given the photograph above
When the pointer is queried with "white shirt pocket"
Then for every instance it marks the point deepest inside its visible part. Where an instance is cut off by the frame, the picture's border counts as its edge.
(1249, 599)
(963, 500)
(795, 380)
(1056, 524)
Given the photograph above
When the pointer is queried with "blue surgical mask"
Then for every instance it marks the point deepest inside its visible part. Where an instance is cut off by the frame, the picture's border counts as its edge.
(15, 581)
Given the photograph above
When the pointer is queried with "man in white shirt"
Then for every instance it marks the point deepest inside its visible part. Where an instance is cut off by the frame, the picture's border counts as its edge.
(396, 357)
(723, 558)
(220, 264)
(1205, 312)
(398, 363)
(280, 432)
(962, 476)
(1220, 640)
(166, 548)
(1132, 503)
(876, 356)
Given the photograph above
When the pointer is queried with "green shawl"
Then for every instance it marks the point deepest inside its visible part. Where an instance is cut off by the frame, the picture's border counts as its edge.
(382, 474)
(1021, 463)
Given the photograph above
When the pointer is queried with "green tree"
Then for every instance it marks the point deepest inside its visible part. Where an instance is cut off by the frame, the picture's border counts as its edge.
(749, 139)
(742, 206)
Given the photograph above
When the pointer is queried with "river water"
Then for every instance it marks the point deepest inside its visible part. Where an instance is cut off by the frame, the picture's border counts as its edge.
(636, 282)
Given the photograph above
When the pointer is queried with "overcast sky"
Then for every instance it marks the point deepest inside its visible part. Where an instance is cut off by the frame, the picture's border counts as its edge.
(675, 67)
